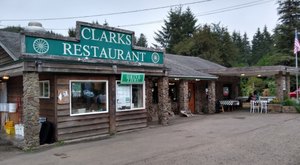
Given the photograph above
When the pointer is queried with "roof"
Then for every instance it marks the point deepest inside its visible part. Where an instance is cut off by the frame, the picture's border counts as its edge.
(10, 42)
(259, 71)
(180, 67)
(194, 62)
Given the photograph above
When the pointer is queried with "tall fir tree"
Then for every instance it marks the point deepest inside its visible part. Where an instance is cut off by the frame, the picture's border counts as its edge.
(262, 45)
(142, 41)
(289, 20)
(178, 26)
(243, 48)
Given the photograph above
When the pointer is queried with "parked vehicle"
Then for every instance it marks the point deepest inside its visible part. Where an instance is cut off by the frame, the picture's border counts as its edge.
(294, 94)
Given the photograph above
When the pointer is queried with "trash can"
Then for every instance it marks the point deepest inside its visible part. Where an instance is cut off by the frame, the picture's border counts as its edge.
(47, 133)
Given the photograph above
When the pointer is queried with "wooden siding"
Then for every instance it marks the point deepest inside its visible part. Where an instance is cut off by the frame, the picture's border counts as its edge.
(83, 126)
(130, 120)
(47, 105)
(5, 58)
(15, 95)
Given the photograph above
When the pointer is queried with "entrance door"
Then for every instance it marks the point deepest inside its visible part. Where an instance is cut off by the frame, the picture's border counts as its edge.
(191, 96)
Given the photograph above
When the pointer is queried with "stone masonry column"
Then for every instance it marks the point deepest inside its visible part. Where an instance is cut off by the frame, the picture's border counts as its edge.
(183, 95)
(288, 84)
(211, 97)
(279, 86)
(31, 106)
(163, 100)
(149, 99)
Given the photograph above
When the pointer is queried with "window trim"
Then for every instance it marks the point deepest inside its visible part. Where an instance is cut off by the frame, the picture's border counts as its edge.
(89, 113)
(44, 97)
(132, 109)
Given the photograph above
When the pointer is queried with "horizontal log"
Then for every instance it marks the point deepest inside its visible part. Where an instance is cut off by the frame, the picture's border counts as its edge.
(63, 107)
(133, 112)
(131, 127)
(63, 112)
(83, 129)
(131, 122)
(78, 123)
(140, 116)
(82, 134)
(83, 117)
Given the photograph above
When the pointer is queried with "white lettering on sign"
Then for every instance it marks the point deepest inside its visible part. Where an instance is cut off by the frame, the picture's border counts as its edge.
(102, 52)
(104, 36)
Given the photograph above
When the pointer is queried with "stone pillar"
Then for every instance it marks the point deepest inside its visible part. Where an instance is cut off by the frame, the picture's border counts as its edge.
(31, 106)
(149, 99)
(211, 97)
(163, 100)
(279, 85)
(236, 87)
(112, 105)
(183, 98)
(288, 84)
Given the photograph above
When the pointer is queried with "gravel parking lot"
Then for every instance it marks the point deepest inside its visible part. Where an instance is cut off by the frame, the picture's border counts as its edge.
(231, 138)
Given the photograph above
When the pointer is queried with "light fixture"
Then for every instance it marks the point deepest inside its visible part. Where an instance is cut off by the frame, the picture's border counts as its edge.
(115, 68)
(243, 74)
(259, 75)
(197, 79)
(5, 77)
(176, 79)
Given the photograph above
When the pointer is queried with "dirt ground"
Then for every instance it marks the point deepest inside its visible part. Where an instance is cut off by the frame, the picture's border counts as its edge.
(230, 138)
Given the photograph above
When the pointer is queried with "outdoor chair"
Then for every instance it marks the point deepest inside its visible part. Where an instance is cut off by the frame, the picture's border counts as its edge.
(264, 106)
(254, 106)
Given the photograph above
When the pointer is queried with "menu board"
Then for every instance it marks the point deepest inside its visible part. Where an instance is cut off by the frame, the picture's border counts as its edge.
(123, 97)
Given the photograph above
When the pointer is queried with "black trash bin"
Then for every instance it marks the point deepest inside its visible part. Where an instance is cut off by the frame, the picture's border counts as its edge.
(47, 133)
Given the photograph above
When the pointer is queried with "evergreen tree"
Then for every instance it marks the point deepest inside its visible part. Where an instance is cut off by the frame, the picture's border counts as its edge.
(142, 41)
(15, 29)
(179, 26)
(243, 48)
(289, 18)
(72, 32)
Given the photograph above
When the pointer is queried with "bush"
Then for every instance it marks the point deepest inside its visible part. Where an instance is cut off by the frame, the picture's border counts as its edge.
(290, 102)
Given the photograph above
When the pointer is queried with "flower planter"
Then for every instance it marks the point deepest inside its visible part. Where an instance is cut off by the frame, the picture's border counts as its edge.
(289, 109)
(274, 107)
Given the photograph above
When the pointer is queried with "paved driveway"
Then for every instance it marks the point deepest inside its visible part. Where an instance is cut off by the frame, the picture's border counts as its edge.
(230, 138)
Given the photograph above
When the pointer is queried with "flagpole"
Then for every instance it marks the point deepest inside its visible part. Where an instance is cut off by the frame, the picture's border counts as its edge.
(297, 77)
(296, 33)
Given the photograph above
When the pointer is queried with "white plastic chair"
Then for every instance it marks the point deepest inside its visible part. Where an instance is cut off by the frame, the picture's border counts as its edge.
(264, 106)
(254, 106)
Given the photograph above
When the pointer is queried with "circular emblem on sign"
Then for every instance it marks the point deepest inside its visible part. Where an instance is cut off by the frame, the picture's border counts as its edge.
(155, 57)
(41, 46)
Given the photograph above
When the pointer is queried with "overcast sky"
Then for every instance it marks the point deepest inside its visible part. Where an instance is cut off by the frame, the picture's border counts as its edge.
(239, 15)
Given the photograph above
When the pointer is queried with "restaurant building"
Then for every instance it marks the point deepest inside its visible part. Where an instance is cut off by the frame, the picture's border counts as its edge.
(98, 83)
(91, 86)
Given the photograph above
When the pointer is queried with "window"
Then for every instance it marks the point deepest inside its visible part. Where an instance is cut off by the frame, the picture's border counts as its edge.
(88, 97)
(130, 96)
(44, 89)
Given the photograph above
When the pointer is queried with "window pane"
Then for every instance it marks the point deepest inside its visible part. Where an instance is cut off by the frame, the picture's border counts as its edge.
(123, 97)
(137, 95)
(88, 97)
(41, 89)
(46, 89)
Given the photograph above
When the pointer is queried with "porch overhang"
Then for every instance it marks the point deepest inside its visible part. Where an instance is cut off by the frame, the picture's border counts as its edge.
(254, 71)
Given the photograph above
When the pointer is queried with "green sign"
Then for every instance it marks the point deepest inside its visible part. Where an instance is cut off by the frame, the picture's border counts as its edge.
(94, 43)
(132, 78)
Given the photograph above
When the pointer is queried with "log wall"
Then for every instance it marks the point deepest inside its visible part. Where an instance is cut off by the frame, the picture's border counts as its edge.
(83, 126)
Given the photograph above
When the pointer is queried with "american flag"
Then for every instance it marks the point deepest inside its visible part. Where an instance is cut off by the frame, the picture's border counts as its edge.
(296, 44)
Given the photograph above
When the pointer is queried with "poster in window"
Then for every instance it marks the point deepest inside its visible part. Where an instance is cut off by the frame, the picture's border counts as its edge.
(225, 91)
(63, 96)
